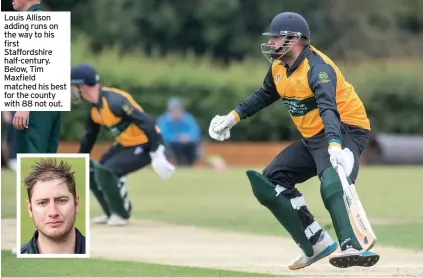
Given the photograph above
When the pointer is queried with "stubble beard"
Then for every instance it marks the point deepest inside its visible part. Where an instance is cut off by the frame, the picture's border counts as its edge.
(68, 226)
(287, 57)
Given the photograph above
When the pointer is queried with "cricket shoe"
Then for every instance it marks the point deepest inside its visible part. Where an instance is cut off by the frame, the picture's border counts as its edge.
(323, 247)
(353, 257)
(101, 219)
(116, 220)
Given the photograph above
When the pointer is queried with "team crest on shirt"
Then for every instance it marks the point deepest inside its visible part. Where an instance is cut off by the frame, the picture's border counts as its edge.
(323, 77)
(278, 78)
(127, 109)
(298, 85)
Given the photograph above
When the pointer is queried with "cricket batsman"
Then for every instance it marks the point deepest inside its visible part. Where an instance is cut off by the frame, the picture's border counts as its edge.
(138, 143)
(36, 131)
(335, 129)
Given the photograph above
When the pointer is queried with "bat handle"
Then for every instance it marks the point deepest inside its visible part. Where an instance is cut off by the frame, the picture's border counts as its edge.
(343, 177)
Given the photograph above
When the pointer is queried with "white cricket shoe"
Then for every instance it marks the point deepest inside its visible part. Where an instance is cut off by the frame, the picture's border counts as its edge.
(323, 247)
(116, 220)
(354, 257)
(101, 219)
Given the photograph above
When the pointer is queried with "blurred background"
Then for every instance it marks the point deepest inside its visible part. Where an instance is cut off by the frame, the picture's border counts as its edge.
(186, 61)
(199, 58)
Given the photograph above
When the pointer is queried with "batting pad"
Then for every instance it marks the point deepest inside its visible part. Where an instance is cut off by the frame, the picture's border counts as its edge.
(282, 208)
(333, 198)
(96, 189)
(109, 184)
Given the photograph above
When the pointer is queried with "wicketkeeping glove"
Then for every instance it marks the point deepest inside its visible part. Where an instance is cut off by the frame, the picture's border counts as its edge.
(160, 164)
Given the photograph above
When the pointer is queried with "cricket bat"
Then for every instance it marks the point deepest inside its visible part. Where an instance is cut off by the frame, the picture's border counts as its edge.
(358, 218)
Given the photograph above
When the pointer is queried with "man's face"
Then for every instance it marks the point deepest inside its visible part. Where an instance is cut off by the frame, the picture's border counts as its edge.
(176, 113)
(53, 208)
(19, 5)
(281, 44)
(76, 92)
(80, 92)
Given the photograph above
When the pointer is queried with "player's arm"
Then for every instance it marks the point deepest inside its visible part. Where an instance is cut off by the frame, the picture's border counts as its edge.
(322, 81)
(261, 98)
(91, 132)
(123, 108)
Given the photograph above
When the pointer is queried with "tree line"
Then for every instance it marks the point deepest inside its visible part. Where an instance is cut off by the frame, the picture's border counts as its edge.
(231, 29)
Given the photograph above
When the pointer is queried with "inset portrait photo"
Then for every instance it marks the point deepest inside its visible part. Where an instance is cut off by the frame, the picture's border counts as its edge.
(53, 206)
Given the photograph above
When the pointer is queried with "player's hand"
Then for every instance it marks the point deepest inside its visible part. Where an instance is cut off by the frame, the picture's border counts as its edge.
(343, 157)
(163, 168)
(220, 127)
(20, 120)
(220, 136)
(7, 117)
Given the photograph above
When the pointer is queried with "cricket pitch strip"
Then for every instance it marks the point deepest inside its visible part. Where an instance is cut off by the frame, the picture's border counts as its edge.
(155, 242)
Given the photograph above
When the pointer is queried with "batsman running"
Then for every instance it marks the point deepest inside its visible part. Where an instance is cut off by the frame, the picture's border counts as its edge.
(138, 143)
(335, 129)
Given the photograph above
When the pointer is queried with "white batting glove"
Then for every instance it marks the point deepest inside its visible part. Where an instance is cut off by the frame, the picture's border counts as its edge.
(220, 127)
(163, 168)
(343, 157)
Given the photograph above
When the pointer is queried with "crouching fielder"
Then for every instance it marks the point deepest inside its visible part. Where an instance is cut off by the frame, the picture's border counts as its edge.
(335, 129)
(138, 143)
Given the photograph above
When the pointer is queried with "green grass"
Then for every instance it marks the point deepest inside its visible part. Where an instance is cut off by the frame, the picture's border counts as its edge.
(13, 267)
(223, 200)
(27, 226)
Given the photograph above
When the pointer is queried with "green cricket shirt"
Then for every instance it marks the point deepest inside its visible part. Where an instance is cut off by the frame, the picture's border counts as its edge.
(35, 8)
(31, 247)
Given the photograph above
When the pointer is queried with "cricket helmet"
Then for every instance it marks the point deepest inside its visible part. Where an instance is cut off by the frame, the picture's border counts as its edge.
(84, 74)
(286, 25)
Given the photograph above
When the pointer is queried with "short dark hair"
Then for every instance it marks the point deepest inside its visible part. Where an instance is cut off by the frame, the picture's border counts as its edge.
(304, 41)
(50, 169)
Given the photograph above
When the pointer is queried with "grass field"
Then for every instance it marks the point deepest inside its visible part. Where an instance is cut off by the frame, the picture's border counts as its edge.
(78, 165)
(223, 201)
(105, 268)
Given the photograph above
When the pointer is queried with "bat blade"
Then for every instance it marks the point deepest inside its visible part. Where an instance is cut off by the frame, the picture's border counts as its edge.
(356, 213)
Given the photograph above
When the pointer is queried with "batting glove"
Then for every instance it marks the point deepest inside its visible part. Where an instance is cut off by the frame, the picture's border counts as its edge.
(343, 157)
(220, 127)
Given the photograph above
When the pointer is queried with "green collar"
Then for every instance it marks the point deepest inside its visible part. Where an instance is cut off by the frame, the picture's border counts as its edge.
(36, 7)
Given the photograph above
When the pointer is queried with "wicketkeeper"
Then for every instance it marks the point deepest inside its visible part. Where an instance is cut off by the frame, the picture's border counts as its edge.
(335, 129)
(138, 143)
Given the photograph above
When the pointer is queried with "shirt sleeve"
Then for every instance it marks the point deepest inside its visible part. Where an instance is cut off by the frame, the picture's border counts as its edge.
(264, 96)
(123, 108)
(322, 81)
(91, 132)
